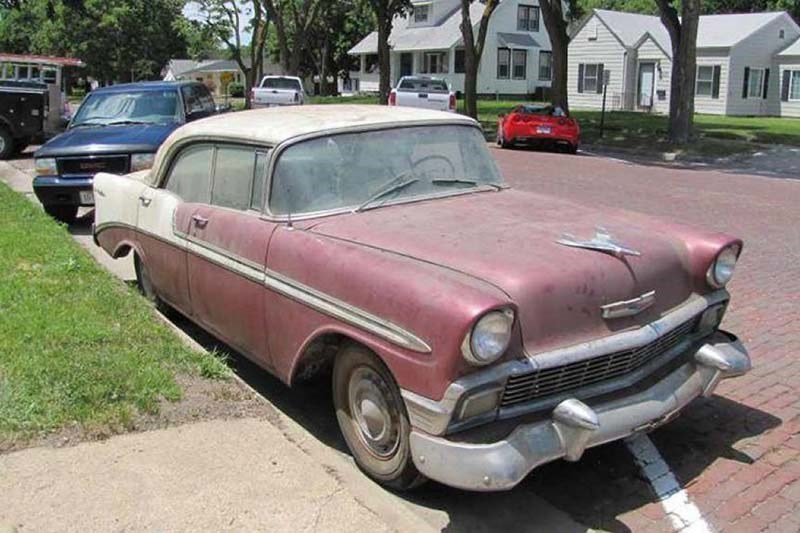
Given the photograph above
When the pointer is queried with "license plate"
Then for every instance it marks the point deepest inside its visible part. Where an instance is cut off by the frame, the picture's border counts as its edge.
(543, 129)
(87, 197)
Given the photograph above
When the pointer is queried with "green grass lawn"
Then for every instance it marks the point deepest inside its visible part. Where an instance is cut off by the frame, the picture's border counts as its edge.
(76, 344)
(641, 132)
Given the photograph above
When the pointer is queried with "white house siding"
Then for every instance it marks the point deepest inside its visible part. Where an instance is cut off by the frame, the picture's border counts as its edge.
(650, 52)
(790, 108)
(708, 104)
(605, 49)
(758, 51)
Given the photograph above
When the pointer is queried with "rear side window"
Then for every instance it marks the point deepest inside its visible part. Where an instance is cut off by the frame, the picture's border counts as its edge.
(198, 100)
(262, 158)
(190, 177)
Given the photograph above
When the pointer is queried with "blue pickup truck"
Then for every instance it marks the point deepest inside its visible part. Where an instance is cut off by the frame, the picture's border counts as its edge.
(117, 129)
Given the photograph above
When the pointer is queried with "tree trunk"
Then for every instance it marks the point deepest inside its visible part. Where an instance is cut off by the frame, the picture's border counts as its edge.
(323, 74)
(683, 36)
(473, 51)
(384, 58)
(553, 16)
(249, 82)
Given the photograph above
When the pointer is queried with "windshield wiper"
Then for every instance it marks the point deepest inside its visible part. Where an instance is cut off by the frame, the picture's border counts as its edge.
(466, 181)
(123, 122)
(87, 124)
(392, 186)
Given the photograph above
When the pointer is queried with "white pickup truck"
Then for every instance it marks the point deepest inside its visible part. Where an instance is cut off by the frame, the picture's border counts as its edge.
(278, 91)
(425, 92)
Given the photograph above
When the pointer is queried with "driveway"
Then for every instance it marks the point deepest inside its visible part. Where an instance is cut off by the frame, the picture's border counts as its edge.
(732, 459)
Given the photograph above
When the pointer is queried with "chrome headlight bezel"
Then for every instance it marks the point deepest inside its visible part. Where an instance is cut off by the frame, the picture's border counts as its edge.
(143, 161)
(722, 268)
(45, 166)
(479, 348)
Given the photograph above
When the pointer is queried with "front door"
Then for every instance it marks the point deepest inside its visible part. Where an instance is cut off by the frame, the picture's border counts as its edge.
(406, 64)
(228, 243)
(647, 80)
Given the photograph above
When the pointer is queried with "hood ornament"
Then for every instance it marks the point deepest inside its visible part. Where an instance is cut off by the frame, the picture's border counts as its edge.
(602, 242)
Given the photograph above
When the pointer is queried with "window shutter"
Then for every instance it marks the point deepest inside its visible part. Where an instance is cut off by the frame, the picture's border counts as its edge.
(600, 77)
(715, 87)
(580, 77)
(766, 83)
(787, 80)
(746, 82)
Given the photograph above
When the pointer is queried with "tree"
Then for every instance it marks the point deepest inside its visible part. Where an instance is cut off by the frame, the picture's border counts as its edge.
(555, 20)
(473, 50)
(385, 11)
(224, 18)
(683, 36)
(293, 20)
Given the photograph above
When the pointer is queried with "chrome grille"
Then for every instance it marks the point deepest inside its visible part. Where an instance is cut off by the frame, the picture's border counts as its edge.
(89, 166)
(548, 381)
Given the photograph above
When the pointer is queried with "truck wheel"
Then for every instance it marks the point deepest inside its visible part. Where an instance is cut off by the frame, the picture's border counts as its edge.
(373, 418)
(146, 285)
(20, 146)
(62, 213)
(6, 144)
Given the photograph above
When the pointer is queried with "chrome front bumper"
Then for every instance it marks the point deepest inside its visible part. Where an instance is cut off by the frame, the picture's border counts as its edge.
(574, 426)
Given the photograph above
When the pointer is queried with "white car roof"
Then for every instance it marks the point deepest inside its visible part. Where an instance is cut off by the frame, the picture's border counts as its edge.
(272, 126)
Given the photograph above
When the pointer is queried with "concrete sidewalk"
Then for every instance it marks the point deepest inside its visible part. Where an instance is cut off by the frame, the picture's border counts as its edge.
(217, 475)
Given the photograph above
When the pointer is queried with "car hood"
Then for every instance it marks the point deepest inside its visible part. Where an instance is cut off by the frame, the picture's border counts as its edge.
(107, 139)
(508, 239)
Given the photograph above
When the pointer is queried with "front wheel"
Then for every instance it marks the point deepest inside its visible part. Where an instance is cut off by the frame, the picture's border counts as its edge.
(146, 285)
(63, 213)
(373, 418)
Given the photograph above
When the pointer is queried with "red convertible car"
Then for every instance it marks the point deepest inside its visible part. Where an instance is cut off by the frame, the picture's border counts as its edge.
(471, 332)
(538, 125)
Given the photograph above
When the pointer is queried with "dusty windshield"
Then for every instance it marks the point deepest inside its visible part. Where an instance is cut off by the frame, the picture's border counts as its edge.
(366, 170)
(147, 107)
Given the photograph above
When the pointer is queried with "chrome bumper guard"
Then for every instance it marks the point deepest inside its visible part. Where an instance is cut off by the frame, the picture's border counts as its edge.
(574, 426)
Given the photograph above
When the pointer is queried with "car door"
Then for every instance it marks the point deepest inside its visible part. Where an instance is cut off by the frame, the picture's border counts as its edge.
(164, 215)
(228, 252)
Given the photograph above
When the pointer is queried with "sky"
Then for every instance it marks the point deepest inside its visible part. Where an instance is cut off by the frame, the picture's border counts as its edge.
(192, 11)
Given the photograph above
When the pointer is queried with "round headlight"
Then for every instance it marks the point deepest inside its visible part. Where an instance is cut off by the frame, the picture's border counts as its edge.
(489, 337)
(721, 270)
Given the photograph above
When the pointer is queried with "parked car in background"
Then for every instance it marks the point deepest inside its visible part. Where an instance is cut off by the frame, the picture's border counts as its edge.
(424, 92)
(23, 115)
(474, 331)
(117, 129)
(532, 124)
(276, 91)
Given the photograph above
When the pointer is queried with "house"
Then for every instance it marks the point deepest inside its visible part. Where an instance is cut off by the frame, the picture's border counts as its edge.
(516, 60)
(216, 74)
(788, 67)
(735, 55)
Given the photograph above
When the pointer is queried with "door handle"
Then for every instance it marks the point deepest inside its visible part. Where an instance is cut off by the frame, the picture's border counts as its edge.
(199, 221)
(145, 200)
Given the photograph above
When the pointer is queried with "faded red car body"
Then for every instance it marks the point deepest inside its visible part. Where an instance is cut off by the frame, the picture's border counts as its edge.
(529, 124)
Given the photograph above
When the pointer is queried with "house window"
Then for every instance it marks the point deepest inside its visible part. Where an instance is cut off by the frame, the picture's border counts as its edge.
(591, 78)
(545, 66)
(434, 63)
(520, 64)
(458, 61)
(421, 12)
(528, 18)
(503, 63)
(705, 80)
(782, 34)
(794, 91)
(755, 83)
(371, 63)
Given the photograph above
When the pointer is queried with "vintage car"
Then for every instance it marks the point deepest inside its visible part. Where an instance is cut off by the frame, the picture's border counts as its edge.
(538, 125)
(471, 331)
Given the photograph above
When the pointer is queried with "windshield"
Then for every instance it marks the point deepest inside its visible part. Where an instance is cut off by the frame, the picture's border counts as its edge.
(369, 169)
(147, 107)
(281, 83)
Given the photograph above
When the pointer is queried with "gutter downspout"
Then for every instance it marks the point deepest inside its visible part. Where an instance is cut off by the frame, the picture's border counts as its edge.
(625, 105)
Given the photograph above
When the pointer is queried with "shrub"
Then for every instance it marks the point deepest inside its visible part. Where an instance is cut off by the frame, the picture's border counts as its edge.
(236, 90)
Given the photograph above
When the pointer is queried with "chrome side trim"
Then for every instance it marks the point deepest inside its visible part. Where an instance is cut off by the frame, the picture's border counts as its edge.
(435, 417)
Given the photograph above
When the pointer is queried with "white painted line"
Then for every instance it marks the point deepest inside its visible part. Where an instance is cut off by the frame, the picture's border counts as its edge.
(683, 514)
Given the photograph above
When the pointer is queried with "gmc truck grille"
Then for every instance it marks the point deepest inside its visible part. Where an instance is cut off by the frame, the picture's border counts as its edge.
(549, 381)
(83, 166)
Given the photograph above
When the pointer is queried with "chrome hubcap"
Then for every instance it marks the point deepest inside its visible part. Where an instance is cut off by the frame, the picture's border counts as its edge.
(375, 415)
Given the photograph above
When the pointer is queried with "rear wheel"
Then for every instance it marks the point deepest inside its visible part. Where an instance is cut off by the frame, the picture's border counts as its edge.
(63, 213)
(373, 418)
(572, 149)
(501, 140)
(6, 144)
(145, 285)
